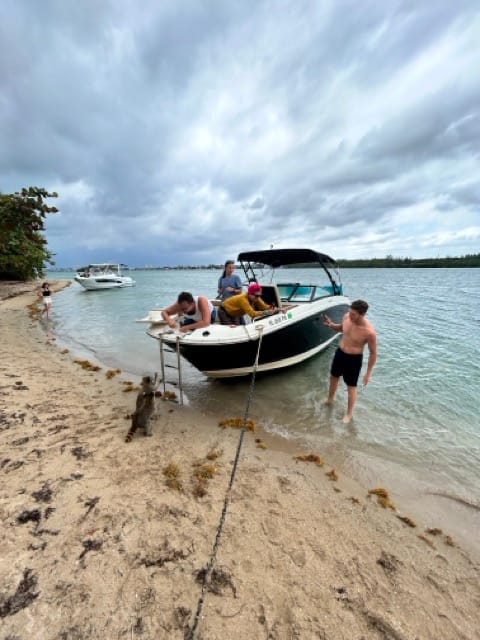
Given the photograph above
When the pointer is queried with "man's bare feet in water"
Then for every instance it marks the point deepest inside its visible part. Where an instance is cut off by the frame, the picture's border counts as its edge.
(346, 418)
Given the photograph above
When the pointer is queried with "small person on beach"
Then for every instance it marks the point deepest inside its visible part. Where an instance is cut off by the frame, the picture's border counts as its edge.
(197, 312)
(45, 293)
(229, 283)
(348, 358)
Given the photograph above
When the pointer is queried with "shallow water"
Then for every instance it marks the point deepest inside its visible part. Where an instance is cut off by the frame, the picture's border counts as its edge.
(418, 415)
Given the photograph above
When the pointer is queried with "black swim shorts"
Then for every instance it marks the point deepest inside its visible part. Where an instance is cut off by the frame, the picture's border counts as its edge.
(347, 365)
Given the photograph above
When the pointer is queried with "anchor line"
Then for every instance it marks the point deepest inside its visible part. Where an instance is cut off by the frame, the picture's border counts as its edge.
(192, 632)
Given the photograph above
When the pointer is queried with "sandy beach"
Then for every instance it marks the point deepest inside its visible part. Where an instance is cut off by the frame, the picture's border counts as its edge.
(103, 539)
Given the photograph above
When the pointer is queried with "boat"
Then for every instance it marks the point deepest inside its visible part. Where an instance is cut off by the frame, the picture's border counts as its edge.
(293, 334)
(105, 275)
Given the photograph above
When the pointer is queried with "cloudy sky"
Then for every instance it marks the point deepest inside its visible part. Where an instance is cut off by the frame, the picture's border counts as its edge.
(186, 131)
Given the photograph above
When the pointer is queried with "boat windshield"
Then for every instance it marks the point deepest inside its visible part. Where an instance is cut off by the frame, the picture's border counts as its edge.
(295, 292)
(99, 269)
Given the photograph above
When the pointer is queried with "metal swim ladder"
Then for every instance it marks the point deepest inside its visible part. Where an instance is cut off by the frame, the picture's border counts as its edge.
(177, 367)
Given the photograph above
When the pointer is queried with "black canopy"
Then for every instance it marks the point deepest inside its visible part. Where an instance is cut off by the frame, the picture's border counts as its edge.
(280, 257)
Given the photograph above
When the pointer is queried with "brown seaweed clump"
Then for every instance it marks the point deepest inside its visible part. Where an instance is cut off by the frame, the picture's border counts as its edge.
(129, 386)
(111, 373)
(172, 475)
(310, 457)
(201, 474)
(407, 520)
(25, 593)
(87, 365)
(215, 580)
(204, 471)
(332, 475)
(199, 490)
(426, 540)
(433, 531)
(383, 498)
(213, 454)
(238, 423)
(437, 532)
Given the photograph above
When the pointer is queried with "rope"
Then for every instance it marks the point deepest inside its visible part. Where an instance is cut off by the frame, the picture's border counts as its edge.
(192, 632)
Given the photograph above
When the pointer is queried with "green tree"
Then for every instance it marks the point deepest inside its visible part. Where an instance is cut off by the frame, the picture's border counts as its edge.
(23, 247)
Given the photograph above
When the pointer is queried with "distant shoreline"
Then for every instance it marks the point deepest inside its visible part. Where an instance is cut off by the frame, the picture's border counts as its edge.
(463, 262)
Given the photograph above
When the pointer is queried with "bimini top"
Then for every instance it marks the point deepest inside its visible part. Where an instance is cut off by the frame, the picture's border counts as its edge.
(280, 257)
(99, 265)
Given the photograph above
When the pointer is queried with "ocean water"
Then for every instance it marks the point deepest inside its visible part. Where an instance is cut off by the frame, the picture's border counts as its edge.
(416, 425)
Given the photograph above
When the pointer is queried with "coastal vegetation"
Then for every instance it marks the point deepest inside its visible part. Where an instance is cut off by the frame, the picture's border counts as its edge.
(23, 246)
(390, 262)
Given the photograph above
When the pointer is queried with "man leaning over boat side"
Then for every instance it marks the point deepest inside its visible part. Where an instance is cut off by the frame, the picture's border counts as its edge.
(250, 303)
(347, 361)
(197, 312)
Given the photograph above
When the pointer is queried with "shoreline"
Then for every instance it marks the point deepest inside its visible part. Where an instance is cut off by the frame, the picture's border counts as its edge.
(98, 545)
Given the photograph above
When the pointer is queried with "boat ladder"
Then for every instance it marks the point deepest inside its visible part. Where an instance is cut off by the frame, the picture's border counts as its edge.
(176, 367)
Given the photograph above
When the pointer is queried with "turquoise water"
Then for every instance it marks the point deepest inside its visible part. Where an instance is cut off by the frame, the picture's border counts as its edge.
(419, 415)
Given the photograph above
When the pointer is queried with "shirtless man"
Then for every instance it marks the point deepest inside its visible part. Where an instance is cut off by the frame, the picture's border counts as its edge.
(197, 312)
(347, 361)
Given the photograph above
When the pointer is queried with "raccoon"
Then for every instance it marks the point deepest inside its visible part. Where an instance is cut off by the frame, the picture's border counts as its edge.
(145, 408)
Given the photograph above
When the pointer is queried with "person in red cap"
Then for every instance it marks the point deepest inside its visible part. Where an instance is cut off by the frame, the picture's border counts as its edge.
(250, 302)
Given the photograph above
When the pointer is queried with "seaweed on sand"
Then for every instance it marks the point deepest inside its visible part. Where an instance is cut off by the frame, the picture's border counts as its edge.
(24, 595)
(310, 457)
(172, 473)
(383, 498)
(238, 423)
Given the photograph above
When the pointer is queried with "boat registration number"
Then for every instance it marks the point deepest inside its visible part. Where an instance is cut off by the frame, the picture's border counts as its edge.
(281, 317)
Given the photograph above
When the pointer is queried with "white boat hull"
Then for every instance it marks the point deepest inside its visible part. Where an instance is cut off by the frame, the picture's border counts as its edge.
(288, 338)
(96, 284)
(104, 275)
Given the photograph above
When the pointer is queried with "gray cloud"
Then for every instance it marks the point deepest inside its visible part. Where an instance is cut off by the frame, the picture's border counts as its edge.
(337, 125)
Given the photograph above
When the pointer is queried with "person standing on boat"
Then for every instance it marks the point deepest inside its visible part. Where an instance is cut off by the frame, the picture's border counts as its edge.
(46, 295)
(197, 312)
(250, 302)
(358, 332)
(229, 283)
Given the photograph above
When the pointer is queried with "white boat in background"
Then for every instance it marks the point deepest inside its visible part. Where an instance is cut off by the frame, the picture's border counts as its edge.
(105, 275)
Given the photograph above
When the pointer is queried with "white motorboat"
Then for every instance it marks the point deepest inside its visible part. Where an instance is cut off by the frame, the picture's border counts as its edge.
(293, 334)
(105, 275)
